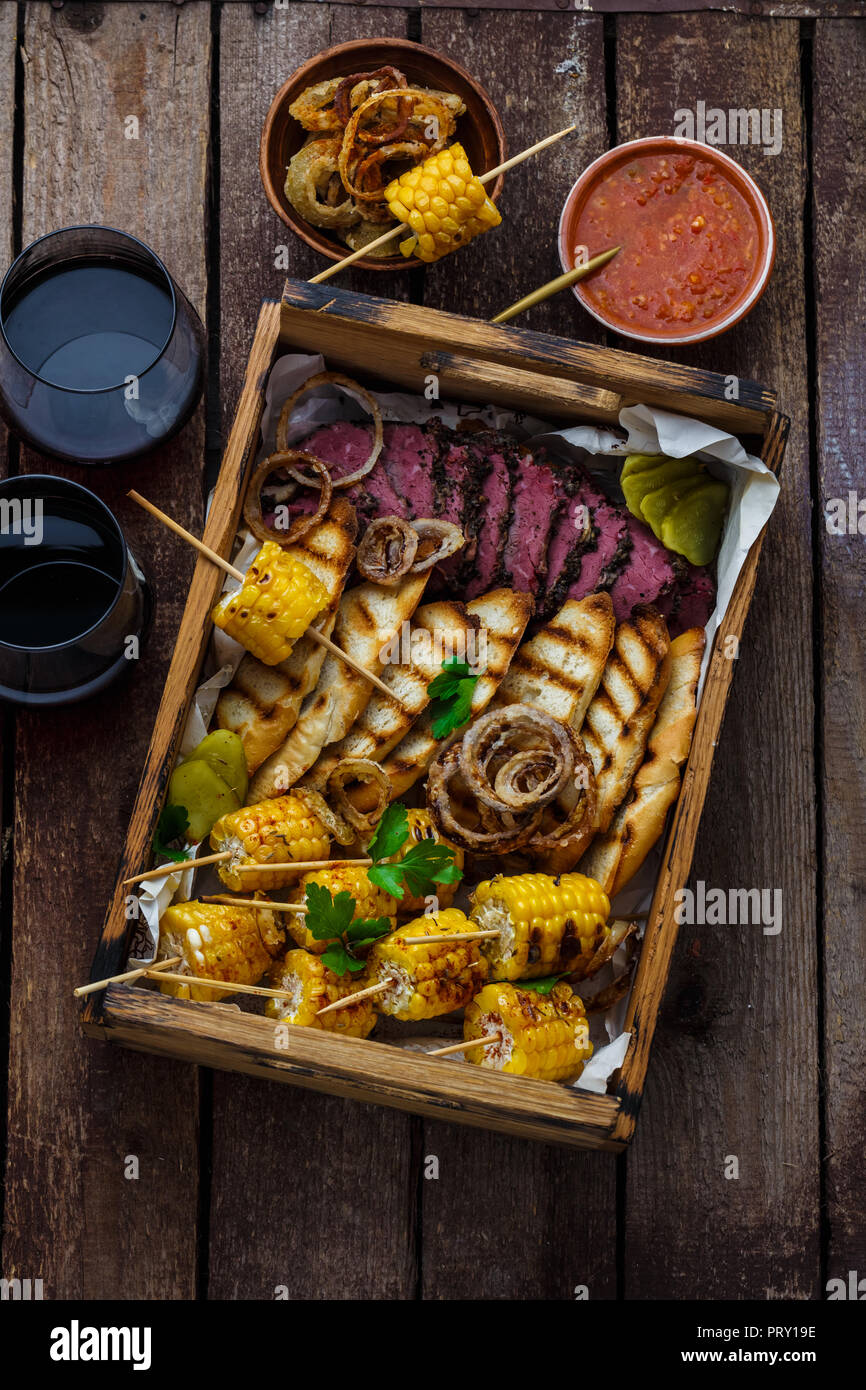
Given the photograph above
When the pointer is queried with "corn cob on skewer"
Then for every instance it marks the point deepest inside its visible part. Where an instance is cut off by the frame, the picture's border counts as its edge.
(370, 901)
(270, 832)
(421, 828)
(444, 204)
(545, 1036)
(313, 986)
(546, 925)
(426, 980)
(234, 944)
(276, 603)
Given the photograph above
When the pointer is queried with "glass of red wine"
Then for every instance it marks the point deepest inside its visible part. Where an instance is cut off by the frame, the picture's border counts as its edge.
(75, 606)
(101, 354)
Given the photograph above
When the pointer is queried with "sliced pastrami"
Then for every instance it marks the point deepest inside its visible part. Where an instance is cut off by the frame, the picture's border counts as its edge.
(482, 570)
(647, 574)
(691, 599)
(535, 502)
(408, 457)
(461, 469)
(573, 533)
(610, 536)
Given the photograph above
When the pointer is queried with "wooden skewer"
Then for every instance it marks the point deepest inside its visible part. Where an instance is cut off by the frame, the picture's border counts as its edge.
(306, 867)
(450, 936)
(225, 986)
(256, 902)
(353, 998)
(467, 1042)
(402, 227)
(239, 575)
(554, 286)
(128, 975)
(181, 867)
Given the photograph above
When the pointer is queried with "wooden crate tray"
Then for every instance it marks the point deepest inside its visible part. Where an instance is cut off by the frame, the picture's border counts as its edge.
(563, 381)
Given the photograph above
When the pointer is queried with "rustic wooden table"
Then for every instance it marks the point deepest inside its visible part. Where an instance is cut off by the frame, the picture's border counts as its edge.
(244, 1186)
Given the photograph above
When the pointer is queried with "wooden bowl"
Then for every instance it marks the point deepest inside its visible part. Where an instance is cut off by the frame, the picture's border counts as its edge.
(479, 129)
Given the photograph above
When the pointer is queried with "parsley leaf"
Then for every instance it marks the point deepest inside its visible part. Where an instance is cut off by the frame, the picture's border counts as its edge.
(172, 823)
(451, 694)
(391, 833)
(420, 869)
(330, 919)
(327, 918)
(337, 958)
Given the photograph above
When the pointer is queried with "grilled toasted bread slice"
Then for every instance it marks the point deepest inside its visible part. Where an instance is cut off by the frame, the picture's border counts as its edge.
(368, 619)
(504, 614)
(263, 702)
(559, 669)
(619, 719)
(437, 632)
(615, 858)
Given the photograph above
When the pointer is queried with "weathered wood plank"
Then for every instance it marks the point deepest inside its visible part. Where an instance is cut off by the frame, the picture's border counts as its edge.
(840, 244)
(779, 9)
(258, 53)
(8, 48)
(288, 1152)
(76, 1109)
(734, 1065)
(507, 1219)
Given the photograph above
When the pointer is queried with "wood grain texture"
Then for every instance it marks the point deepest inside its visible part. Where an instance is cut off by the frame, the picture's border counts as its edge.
(491, 1191)
(840, 245)
(75, 1109)
(501, 50)
(258, 53)
(295, 1147)
(8, 47)
(734, 1066)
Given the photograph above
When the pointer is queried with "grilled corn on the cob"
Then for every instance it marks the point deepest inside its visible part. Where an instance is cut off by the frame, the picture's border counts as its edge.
(313, 986)
(421, 828)
(218, 942)
(546, 925)
(444, 204)
(545, 1036)
(370, 901)
(276, 603)
(269, 832)
(426, 980)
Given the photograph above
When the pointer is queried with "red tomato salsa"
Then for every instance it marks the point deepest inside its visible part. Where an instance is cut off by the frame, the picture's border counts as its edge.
(689, 239)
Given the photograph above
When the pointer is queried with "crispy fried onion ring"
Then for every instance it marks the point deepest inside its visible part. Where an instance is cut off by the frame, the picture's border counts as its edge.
(423, 104)
(314, 188)
(369, 403)
(387, 79)
(516, 758)
(446, 790)
(387, 550)
(569, 821)
(513, 771)
(366, 184)
(436, 541)
(341, 832)
(371, 774)
(277, 466)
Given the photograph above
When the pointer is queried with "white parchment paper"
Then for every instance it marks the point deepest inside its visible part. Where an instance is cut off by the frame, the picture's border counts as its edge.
(644, 429)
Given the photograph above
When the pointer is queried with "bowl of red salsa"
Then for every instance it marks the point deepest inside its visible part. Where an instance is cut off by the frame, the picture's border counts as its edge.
(697, 240)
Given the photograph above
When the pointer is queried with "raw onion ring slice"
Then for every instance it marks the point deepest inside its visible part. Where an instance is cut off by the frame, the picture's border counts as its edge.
(364, 398)
(285, 459)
